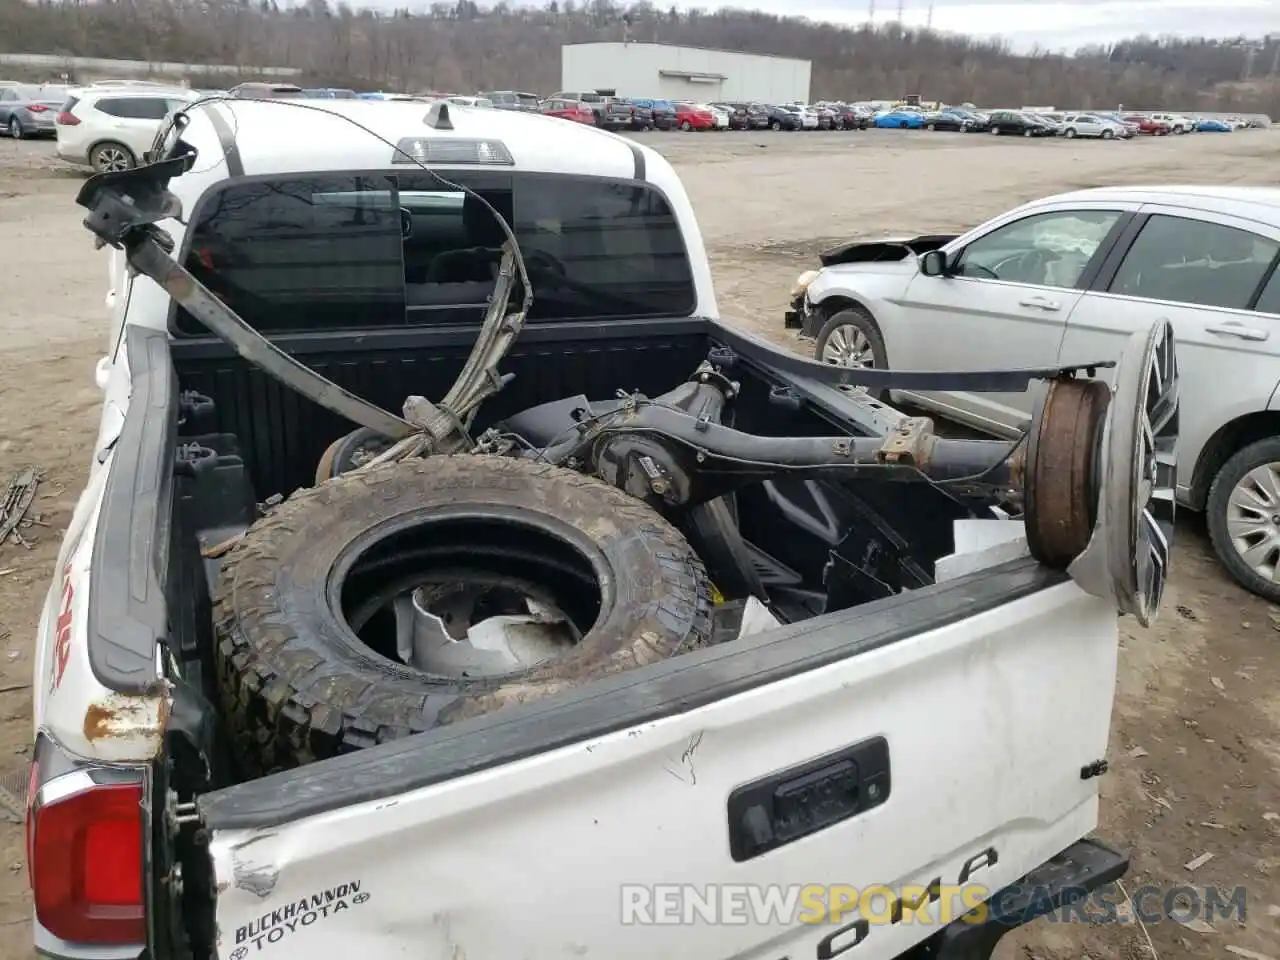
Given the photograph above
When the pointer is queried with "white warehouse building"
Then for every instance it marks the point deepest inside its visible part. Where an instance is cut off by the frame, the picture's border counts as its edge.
(667, 72)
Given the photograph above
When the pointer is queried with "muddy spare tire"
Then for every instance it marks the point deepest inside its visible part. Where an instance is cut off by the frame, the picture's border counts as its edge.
(353, 614)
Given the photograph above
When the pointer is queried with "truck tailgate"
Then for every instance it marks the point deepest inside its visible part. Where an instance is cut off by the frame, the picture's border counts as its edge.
(639, 843)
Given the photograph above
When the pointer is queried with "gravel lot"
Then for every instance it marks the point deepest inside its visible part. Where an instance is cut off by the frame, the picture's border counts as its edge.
(1195, 753)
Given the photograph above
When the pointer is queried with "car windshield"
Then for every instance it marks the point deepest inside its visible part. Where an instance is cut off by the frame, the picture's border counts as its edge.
(348, 250)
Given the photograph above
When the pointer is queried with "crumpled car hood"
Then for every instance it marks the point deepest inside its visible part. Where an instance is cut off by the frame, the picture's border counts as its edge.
(886, 250)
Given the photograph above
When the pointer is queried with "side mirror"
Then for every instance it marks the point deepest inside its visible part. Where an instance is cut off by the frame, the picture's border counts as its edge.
(933, 263)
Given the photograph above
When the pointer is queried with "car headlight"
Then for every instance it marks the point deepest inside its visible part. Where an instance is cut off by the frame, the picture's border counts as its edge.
(802, 283)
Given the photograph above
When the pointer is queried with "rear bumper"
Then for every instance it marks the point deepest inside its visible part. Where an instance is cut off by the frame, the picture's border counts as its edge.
(1068, 878)
(70, 155)
(49, 947)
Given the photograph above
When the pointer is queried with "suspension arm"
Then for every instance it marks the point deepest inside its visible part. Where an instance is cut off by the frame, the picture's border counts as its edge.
(654, 450)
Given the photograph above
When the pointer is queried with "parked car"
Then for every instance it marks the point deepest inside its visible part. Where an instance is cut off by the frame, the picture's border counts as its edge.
(612, 112)
(1069, 277)
(975, 121)
(1130, 128)
(721, 115)
(1088, 125)
(641, 115)
(808, 118)
(691, 117)
(950, 120)
(1011, 123)
(1148, 125)
(329, 93)
(901, 119)
(110, 128)
(512, 100)
(846, 117)
(575, 110)
(482, 103)
(229, 748)
(1177, 122)
(826, 116)
(757, 116)
(29, 110)
(661, 112)
(784, 118)
(272, 91)
(739, 114)
(1051, 120)
(1213, 125)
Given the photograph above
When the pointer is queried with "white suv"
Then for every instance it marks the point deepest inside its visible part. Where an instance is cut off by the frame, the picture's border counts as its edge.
(110, 127)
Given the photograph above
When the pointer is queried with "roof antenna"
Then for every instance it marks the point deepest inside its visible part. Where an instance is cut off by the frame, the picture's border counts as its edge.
(438, 116)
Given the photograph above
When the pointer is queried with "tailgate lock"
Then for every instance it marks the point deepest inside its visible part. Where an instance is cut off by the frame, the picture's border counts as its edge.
(802, 800)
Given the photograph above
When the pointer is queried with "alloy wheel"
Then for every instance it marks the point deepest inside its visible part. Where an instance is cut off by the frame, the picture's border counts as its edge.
(1253, 520)
(112, 160)
(848, 347)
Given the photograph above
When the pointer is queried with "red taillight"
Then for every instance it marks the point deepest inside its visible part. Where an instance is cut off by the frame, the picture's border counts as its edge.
(37, 107)
(66, 119)
(84, 859)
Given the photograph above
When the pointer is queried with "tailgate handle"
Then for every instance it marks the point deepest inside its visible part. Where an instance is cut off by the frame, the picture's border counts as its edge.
(802, 800)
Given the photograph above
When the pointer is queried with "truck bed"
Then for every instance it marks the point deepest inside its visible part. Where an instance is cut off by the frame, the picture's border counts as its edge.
(945, 680)
(210, 437)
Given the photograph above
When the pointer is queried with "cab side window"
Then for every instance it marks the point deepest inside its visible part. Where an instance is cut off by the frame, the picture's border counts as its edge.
(1195, 262)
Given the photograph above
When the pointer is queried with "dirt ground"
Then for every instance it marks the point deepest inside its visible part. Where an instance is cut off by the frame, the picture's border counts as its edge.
(1195, 752)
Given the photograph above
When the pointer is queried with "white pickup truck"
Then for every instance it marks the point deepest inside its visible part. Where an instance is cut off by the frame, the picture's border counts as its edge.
(245, 746)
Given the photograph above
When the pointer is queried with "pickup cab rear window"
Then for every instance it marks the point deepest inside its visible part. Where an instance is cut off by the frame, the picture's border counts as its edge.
(343, 251)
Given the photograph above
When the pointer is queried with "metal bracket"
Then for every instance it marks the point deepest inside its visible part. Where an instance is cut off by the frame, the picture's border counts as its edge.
(910, 444)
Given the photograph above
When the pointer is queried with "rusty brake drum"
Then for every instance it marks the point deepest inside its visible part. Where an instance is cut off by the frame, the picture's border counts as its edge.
(1099, 476)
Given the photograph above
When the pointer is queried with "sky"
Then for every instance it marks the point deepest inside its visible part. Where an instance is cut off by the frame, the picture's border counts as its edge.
(1052, 24)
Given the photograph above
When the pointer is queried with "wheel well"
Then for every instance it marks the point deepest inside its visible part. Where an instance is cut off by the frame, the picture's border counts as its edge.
(834, 304)
(1229, 439)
